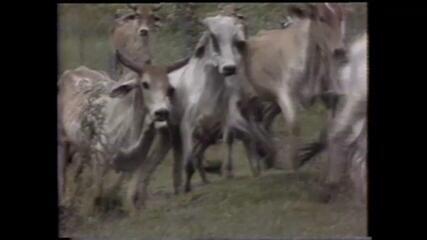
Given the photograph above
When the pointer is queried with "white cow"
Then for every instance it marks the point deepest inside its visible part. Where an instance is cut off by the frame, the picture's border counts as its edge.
(204, 89)
(346, 136)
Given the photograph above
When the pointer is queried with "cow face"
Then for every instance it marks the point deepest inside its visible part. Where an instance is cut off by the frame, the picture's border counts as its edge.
(331, 21)
(328, 25)
(138, 21)
(153, 83)
(224, 42)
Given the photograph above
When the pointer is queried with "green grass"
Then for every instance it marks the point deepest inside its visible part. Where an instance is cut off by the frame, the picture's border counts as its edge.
(278, 203)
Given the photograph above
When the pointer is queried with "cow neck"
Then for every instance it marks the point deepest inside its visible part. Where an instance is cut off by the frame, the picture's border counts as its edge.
(140, 112)
(317, 75)
(139, 50)
(140, 127)
(214, 91)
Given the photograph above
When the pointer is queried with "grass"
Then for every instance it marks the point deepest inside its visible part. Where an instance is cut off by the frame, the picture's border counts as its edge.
(276, 204)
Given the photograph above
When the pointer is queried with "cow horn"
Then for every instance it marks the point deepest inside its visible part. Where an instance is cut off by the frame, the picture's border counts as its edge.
(125, 60)
(178, 64)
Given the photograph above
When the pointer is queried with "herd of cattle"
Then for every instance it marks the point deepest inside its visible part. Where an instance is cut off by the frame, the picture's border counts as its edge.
(231, 87)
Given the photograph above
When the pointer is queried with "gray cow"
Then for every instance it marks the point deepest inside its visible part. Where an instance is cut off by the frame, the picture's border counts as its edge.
(204, 89)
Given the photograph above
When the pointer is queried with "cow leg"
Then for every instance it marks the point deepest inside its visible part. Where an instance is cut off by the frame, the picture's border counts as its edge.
(199, 164)
(289, 114)
(68, 158)
(336, 161)
(337, 147)
(189, 170)
(271, 114)
(95, 193)
(148, 167)
(187, 140)
(251, 155)
(336, 156)
(62, 151)
(228, 167)
(177, 162)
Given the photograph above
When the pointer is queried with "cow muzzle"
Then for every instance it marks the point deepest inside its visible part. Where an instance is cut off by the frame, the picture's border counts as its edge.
(228, 70)
(143, 32)
(161, 115)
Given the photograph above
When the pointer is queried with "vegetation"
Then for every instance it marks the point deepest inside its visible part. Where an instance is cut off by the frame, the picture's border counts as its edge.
(278, 203)
(84, 30)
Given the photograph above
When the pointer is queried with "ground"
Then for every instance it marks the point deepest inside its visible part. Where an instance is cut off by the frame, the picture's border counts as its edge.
(276, 204)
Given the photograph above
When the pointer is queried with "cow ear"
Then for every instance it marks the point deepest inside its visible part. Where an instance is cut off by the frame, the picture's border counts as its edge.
(123, 88)
(157, 21)
(200, 47)
(297, 11)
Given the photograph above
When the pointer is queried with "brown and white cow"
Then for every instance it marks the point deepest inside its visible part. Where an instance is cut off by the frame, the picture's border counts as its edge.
(294, 66)
(97, 118)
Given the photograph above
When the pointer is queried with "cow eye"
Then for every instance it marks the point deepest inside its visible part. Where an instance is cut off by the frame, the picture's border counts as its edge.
(240, 45)
(171, 91)
(145, 85)
(156, 18)
(131, 17)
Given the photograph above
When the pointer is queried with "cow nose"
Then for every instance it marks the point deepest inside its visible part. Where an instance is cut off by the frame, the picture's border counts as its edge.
(143, 32)
(161, 115)
(229, 70)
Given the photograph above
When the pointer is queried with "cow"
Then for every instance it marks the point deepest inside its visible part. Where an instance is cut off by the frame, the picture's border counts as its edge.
(131, 32)
(98, 115)
(233, 125)
(295, 66)
(346, 136)
(204, 89)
